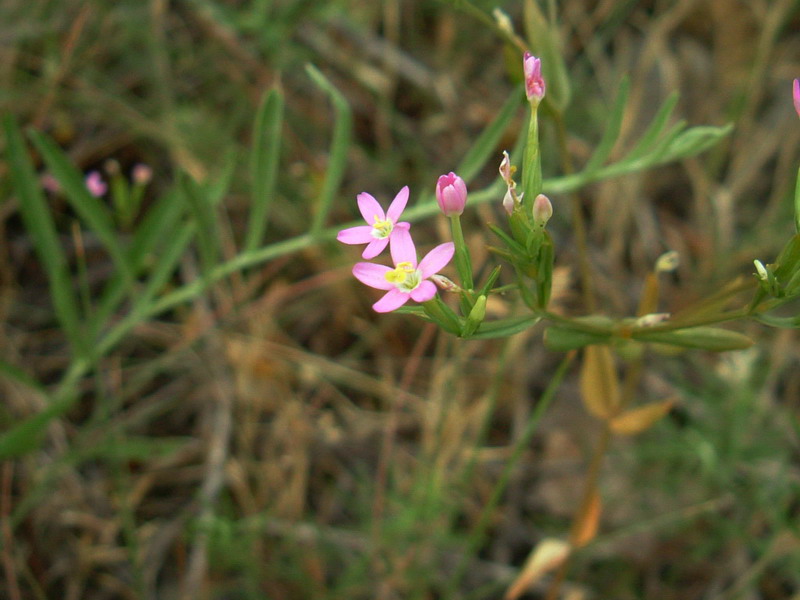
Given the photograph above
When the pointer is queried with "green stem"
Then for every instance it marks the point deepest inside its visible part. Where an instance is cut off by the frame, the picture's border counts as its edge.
(462, 258)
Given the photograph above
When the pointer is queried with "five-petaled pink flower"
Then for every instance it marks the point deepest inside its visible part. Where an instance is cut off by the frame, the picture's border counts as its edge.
(95, 184)
(451, 194)
(796, 95)
(408, 279)
(380, 225)
(534, 83)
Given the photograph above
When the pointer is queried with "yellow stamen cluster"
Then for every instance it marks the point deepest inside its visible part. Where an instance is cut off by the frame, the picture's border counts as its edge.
(404, 276)
(382, 228)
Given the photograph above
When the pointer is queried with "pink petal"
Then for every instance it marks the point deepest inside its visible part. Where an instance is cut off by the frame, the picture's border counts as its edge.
(402, 247)
(436, 259)
(374, 247)
(424, 292)
(361, 234)
(369, 208)
(373, 275)
(398, 205)
(393, 299)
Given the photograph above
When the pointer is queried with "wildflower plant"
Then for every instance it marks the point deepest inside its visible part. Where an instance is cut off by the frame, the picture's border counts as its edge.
(526, 250)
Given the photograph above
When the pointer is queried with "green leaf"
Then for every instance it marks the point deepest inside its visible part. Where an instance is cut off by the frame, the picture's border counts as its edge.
(485, 146)
(39, 223)
(611, 133)
(505, 327)
(563, 339)
(91, 210)
(702, 338)
(203, 214)
(340, 145)
(264, 165)
(655, 129)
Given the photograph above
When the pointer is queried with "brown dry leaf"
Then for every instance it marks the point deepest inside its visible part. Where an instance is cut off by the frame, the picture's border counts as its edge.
(590, 522)
(599, 386)
(639, 419)
(548, 555)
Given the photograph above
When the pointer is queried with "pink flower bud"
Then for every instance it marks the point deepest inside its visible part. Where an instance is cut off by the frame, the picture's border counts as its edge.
(508, 201)
(451, 193)
(796, 96)
(142, 174)
(534, 84)
(95, 184)
(542, 210)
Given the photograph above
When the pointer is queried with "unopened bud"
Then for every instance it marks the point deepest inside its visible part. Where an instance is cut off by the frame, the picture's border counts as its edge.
(475, 317)
(761, 270)
(542, 210)
(534, 83)
(651, 319)
(451, 193)
(142, 174)
(796, 95)
(508, 201)
(444, 283)
(668, 262)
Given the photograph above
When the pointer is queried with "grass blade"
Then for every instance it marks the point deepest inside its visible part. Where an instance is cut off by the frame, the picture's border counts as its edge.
(342, 133)
(487, 141)
(91, 209)
(264, 165)
(39, 224)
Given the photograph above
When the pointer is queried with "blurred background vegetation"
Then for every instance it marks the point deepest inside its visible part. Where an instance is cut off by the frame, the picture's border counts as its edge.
(264, 434)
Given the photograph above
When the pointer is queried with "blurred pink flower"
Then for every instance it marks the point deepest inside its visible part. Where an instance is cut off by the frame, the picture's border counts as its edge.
(380, 225)
(796, 95)
(534, 83)
(451, 193)
(408, 280)
(141, 174)
(95, 184)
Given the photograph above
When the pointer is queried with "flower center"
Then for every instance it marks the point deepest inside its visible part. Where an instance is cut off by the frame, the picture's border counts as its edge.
(382, 228)
(404, 277)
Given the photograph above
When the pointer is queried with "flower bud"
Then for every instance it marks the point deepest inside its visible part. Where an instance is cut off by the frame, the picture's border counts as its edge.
(796, 95)
(142, 174)
(667, 262)
(534, 83)
(95, 184)
(451, 194)
(542, 210)
(506, 170)
(445, 284)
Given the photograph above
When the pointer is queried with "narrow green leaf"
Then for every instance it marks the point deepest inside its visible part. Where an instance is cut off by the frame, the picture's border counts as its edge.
(655, 129)
(13, 372)
(504, 327)
(563, 339)
(703, 338)
(611, 133)
(694, 141)
(39, 224)
(340, 145)
(485, 146)
(264, 164)
(157, 227)
(202, 212)
(91, 210)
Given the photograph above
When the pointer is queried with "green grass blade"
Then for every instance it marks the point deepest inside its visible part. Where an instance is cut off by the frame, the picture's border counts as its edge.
(655, 129)
(611, 133)
(39, 224)
(264, 165)
(486, 144)
(202, 212)
(340, 144)
(91, 210)
(155, 227)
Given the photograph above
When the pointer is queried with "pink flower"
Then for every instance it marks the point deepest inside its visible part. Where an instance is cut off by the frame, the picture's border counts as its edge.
(534, 84)
(380, 225)
(408, 280)
(451, 194)
(796, 95)
(95, 184)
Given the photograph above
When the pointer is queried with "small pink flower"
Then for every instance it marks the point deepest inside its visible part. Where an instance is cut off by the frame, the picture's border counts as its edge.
(380, 225)
(408, 280)
(796, 95)
(95, 184)
(141, 174)
(534, 84)
(451, 193)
